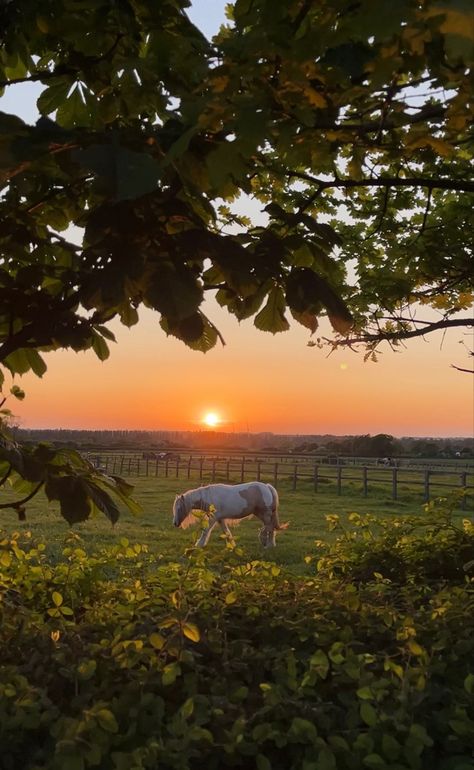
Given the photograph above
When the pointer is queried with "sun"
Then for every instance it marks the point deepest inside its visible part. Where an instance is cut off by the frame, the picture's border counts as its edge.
(211, 419)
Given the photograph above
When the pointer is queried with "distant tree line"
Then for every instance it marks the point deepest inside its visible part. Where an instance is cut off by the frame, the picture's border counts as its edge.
(385, 445)
(380, 445)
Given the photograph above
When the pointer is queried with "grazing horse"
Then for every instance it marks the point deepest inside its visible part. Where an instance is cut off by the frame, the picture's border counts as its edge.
(227, 504)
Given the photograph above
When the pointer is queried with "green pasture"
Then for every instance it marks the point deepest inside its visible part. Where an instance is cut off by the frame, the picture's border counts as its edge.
(303, 508)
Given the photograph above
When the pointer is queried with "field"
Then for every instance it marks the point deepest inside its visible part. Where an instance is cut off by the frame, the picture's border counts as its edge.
(303, 508)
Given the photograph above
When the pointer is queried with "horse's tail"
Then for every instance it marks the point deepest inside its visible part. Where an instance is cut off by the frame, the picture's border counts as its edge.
(275, 504)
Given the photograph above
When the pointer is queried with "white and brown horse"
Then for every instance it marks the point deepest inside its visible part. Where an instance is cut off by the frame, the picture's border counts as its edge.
(226, 504)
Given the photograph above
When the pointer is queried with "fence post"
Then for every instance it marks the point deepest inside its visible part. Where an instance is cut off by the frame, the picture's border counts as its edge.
(156, 467)
(394, 483)
(365, 486)
(166, 467)
(213, 471)
(295, 476)
(315, 477)
(242, 470)
(177, 468)
(427, 486)
(129, 466)
(464, 484)
(275, 474)
(258, 470)
(189, 467)
(121, 464)
(227, 471)
(146, 467)
(201, 463)
(339, 479)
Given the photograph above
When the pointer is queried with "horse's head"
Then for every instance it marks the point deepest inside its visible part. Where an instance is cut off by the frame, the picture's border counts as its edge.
(179, 510)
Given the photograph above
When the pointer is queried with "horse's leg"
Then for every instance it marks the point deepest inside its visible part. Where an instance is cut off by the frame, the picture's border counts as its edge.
(205, 534)
(226, 531)
(267, 533)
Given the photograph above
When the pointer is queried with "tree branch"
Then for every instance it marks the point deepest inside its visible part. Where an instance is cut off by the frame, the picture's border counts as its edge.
(19, 503)
(3, 480)
(401, 334)
(462, 185)
(460, 369)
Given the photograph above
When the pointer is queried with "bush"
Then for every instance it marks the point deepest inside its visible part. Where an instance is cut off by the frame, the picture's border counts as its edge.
(117, 661)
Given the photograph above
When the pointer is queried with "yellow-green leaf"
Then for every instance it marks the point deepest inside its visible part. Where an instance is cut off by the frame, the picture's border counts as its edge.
(191, 632)
(57, 598)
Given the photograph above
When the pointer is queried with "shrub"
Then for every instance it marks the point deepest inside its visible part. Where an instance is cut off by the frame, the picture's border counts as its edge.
(117, 661)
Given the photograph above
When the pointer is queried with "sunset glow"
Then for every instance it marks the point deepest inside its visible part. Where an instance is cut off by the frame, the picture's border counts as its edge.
(211, 419)
(257, 382)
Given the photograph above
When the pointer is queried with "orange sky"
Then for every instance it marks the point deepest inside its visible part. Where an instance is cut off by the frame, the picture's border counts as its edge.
(270, 383)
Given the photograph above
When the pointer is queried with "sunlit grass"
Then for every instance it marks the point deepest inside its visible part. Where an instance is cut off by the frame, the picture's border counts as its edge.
(303, 508)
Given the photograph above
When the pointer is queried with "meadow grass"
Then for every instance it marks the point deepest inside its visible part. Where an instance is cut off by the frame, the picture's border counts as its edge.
(303, 508)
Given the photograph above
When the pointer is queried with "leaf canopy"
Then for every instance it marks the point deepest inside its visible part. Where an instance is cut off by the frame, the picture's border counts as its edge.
(352, 129)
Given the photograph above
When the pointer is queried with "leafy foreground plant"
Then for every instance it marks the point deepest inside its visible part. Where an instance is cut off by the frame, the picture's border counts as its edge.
(64, 475)
(118, 660)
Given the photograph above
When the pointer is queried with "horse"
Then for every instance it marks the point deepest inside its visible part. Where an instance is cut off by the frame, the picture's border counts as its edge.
(227, 504)
(387, 462)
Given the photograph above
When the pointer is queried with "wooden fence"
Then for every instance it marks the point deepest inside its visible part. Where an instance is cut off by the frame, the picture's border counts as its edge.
(361, 479)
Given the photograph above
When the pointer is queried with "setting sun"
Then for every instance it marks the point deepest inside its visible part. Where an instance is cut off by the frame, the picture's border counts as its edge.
(211, 419)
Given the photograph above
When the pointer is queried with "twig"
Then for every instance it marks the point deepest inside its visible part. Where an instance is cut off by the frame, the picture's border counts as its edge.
(18, 503)
(404, 334)
(382, 215)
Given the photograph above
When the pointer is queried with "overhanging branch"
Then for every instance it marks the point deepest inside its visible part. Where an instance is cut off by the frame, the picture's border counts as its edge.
(461, 185)
(404, 334)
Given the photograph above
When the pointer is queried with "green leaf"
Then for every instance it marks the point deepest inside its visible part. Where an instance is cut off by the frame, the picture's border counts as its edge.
(373, 760)
(107, 721)
(390, 747)
(271, 318)
(174, 292)
(170, 673)
(365, 693)
(73, 111)
(53, 97)
(72, 494)
(17, 392)
(326, 760)
(103, 500)
(157, 640)
(100, 347)
(469, 683)
(368, 714)
(319, 662)
(187, 708)
(57, 598)
(128, 314)
(86, 669)
(24, 359)
(262, 762)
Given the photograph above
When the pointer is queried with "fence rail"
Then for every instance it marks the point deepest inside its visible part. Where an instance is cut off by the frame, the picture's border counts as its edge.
(362, 479)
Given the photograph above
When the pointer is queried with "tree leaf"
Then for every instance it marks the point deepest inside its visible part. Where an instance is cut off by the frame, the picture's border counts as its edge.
(272, 316)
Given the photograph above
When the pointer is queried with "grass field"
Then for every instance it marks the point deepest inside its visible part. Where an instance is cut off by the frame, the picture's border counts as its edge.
(303, 508)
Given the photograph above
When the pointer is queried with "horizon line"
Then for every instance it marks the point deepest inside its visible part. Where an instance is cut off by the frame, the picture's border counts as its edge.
(217, 432)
